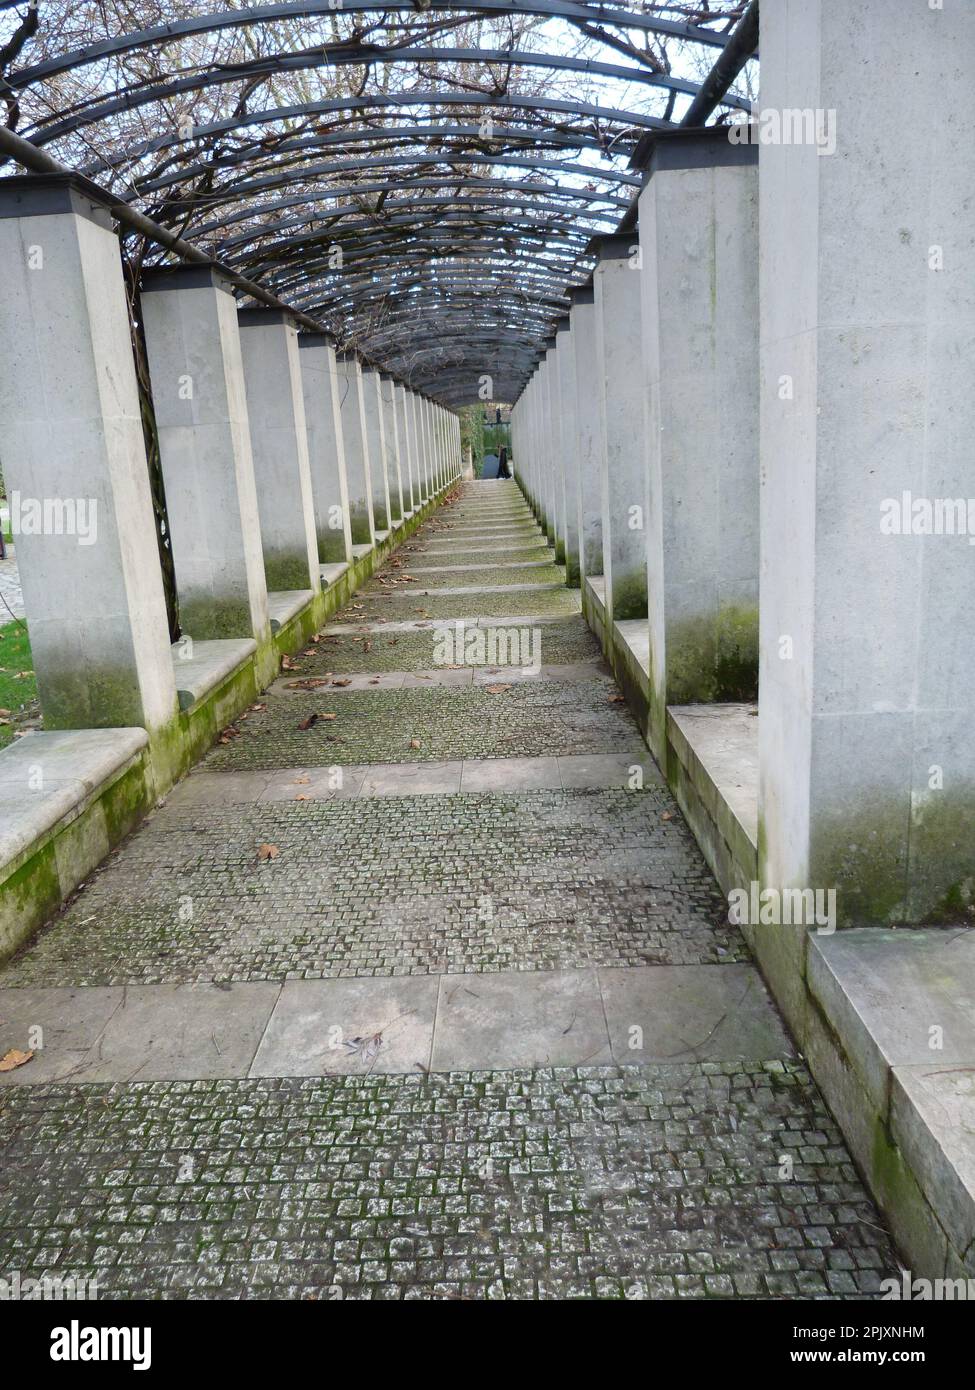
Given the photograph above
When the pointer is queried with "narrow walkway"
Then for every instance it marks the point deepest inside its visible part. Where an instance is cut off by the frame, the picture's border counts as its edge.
(420, 986)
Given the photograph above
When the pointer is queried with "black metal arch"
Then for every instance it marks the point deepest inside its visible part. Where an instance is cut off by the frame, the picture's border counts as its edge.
(263, 14)
(463, 184)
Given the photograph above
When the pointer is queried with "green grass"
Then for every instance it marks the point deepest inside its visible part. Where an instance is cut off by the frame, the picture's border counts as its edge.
(18, 697)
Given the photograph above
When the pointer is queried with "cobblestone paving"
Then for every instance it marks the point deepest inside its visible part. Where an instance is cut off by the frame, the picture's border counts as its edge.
(657, 1182)
(561, 644)
(417, 725)
(714, 1180)
(404, 886)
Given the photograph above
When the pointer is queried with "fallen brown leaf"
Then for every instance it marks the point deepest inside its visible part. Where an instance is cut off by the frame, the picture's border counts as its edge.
(13, 1059)
(496, 689)
(267, 852)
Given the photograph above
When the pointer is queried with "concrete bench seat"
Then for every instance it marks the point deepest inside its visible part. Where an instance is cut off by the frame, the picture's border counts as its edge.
(46, 777)
(903, 1092)
(716, 755)
(332, 573)
(60, 813)
(284, 604)
(210, 664)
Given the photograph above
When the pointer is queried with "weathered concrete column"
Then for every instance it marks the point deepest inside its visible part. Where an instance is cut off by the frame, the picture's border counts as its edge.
(557, 476)
(326, 447)
(411, 498)
(699, 252)
(569, 445)
(394, 467)
(376, 439)
(414, 405)
(189, 317)
(622, 418)
(358, 468)
(276, 411)
(589, 445)
(546, 517)
(75, 463)
(867, 759)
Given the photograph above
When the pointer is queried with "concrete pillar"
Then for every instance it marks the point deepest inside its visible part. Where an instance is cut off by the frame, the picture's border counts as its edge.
(391, 439)
(358, 471)
(699, 252)
(276, 410)
(589, 444)
(569, 443)
(376, 440)
(326, 447)
(546, 518)
(557, 450)
(867, 759)
(414, 404)
(189, 317)
(411, 499)
(75, 463)
(619, 355)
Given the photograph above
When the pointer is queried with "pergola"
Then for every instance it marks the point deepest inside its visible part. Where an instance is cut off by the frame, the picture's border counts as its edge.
(435, 214)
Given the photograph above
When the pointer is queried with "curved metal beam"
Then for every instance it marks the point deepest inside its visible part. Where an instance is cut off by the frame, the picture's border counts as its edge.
(342, 54)
(378, 101)
(306, 9)
(396, 135)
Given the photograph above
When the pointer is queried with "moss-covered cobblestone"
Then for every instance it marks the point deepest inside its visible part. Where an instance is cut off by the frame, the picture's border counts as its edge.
(561, 644)
(532, 719)
(393, 886)
(599, 1182)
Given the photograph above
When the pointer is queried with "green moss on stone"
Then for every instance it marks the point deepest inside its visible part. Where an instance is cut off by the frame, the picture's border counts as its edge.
(629, 596)
(207, 618)
(713, 658)
(286, 569)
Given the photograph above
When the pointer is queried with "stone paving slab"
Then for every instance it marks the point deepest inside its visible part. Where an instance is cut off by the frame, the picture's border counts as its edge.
(627, 771)
(349, 1027)
(390, 1024)
(333, 682)
(532, 719)
(595, 1182)
(155, 1032)
(409, 885)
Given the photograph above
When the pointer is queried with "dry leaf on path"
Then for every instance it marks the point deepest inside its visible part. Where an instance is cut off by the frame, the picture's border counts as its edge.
(496, 689)
(13, 1059)
(267, 852)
